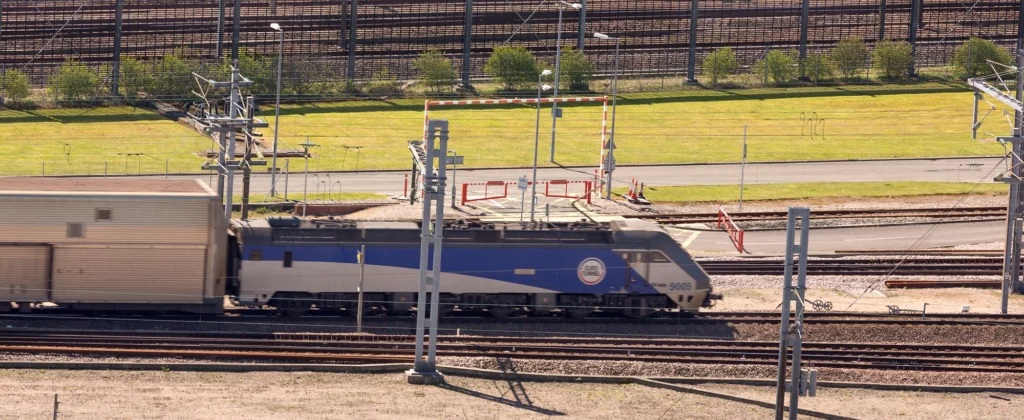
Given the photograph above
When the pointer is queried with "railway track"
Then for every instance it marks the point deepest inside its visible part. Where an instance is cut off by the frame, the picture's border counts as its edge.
(897, 265)
(931, 213)
(400, 349)
(398, 322)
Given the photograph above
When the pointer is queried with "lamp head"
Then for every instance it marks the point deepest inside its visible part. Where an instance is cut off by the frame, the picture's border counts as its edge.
(576, 6)
(545, 88)
(546, 72)
(275, 27)
(599, 35)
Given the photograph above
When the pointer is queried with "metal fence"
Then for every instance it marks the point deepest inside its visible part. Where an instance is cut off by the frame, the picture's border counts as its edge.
(351, 39)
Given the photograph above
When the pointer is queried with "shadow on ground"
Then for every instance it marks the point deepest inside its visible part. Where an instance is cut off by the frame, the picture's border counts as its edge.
(516, 392)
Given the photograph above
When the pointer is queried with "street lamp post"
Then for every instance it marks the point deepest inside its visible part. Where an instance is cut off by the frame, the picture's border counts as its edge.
(611, 137)
(536, 142)
(558, 67)
(277, 109)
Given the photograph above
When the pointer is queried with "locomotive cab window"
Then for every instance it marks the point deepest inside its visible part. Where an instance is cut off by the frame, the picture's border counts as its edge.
(659, 257)
(287, 258)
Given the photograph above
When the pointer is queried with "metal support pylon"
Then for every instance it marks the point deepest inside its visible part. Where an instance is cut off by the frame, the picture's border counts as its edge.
(791, 335)
(425, 371)
(1012, 281)
(237, 117)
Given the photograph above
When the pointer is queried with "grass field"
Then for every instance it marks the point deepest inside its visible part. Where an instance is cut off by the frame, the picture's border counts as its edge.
(80, 140)
(846, 122)
(858, 122)
(756, 192)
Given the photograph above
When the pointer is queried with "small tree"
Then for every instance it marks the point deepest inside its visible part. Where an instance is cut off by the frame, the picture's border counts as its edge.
(780, 65)
(850, 56)
(720, 64)
(576, 69)
(16, 85)
(436, 70)
(514, 67)
(134, 77)
(892, 59)
(382, 83)
(817, 67)
(971, 58)
(253, 66)
(74, 80)
(173, 76)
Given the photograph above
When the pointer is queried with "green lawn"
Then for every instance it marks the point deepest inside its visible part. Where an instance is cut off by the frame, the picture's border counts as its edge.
(80, 140)
(855, 122)
(808, 123)
(728, 193)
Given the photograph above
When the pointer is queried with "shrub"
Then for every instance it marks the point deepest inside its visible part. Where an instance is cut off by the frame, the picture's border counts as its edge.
(74, 80)
(382, 83)
(173, 77)
(576, 69)
(817, 67)
(720, 64)
(436, 70)
(514, 67)
(971, 58)
(850, 56)
(892, 59)
(780, 65)
(16, 85)
(134, 77)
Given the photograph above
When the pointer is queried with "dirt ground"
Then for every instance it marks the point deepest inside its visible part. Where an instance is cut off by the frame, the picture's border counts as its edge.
(870, 404)
(28, 394)
(938, 300)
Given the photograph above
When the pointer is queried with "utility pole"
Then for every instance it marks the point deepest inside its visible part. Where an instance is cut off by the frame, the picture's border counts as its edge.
(743, 164)
(556, 112)
(359, 304)
(235, 29)
(792, 335)
(305, 178)
(424, 372)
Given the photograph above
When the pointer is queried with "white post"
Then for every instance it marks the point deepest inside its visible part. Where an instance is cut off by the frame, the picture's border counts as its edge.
(743, 164)
(277, 110)
(558, 68)
(359, 305)
(610, 166)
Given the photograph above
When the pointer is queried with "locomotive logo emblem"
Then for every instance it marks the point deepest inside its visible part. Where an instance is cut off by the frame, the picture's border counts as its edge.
(591, 271)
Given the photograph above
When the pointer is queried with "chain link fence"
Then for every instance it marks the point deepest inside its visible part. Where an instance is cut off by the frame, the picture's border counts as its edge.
(149, 48)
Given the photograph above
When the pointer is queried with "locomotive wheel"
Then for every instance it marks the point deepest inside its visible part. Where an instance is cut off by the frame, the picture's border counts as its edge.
(501, 311)
(637, 308)
(579, 313)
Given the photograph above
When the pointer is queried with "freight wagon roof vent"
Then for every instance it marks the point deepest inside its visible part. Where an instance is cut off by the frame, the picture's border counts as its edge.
(284, 222)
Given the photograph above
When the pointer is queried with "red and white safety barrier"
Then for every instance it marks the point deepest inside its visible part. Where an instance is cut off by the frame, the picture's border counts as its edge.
(564, 193)
(487, 185)
(734, 231)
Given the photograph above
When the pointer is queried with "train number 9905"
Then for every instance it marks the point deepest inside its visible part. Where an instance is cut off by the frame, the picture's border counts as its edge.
(680, 286)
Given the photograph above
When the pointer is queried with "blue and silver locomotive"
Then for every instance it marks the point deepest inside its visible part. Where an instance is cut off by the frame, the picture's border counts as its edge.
(629, 267)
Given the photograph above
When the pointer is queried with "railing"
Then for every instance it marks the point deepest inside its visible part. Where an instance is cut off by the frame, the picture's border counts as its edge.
(587, 189)
(735, 233)
(488, 184)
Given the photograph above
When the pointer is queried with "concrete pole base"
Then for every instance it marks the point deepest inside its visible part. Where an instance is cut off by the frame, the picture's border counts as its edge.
(426, 378)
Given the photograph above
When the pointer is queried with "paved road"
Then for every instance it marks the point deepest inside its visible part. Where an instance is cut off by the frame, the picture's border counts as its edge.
(947, 170)
(829, 240)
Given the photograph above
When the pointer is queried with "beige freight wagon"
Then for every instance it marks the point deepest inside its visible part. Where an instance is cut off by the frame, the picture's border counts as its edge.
(106, 244)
